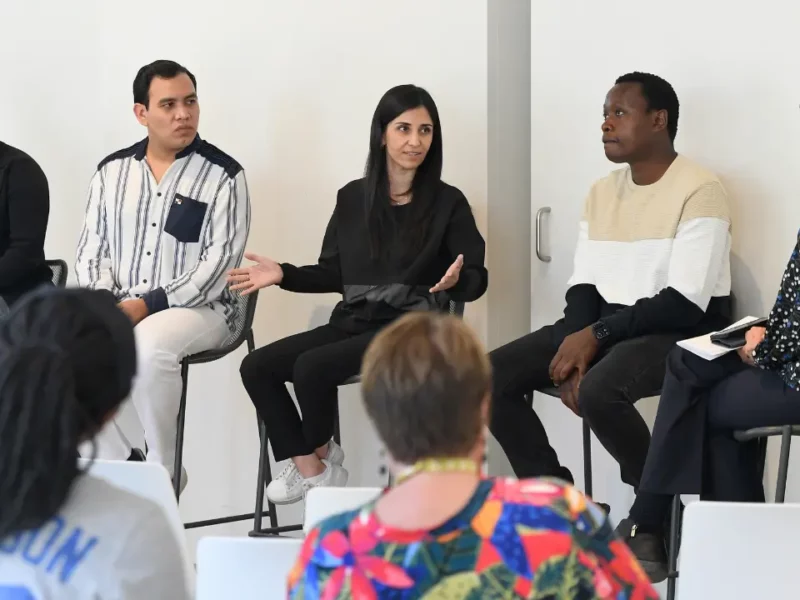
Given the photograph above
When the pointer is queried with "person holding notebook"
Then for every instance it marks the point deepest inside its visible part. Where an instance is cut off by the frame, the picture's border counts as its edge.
(703, 402)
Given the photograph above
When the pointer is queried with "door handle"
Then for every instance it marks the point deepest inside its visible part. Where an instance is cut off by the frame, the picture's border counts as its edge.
(545, 210)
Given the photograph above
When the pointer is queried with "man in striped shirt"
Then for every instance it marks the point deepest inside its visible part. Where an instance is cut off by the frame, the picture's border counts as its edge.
(652, 266)
(166, 219)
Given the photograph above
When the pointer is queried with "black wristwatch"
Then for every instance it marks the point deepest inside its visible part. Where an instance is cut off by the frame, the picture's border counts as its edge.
(601, 333)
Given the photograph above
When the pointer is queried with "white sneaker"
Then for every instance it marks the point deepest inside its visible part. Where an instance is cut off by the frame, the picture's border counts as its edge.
(287, 487)
(335, 454)
(332, 476)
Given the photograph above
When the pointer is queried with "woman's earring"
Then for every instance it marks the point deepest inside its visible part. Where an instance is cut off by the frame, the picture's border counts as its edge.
(485, 454)
(383, 469)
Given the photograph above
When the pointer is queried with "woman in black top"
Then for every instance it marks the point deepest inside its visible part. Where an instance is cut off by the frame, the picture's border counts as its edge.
(400, 239)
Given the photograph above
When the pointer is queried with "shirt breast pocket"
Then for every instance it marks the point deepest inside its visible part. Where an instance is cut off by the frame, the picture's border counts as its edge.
(185, 219)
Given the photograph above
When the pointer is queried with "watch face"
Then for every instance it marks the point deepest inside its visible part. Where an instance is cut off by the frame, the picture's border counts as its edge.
(600, 331)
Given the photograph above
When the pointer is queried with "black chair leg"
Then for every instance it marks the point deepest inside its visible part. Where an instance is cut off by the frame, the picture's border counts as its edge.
(251, 342)
(176, 476)
(587, 458)
(264, 472)
(264, 476)
(674, 536)
(762, 458)
(271, 508)
(260, 478)
(783, 464)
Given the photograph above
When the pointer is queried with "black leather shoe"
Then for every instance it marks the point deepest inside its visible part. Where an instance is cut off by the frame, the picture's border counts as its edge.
(648, 548)
(137, 455)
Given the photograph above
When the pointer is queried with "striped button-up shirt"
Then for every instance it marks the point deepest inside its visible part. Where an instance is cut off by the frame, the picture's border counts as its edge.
(169, 242)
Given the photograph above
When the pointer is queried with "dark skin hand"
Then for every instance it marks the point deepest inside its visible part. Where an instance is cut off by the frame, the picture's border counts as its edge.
(569, 392)
(576, 353)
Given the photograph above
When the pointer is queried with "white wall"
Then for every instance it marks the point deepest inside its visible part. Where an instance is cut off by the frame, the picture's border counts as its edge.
(509, 159)
(737, 74)
(289, 89)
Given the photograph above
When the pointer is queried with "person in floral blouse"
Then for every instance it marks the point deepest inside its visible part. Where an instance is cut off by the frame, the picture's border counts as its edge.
(693, 449)
(443, 530)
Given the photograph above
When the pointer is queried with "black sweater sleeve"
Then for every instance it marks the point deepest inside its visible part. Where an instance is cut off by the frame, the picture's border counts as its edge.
(667, 311)
(583, 307)
(28, 210)
(462, 237)
(325, 276)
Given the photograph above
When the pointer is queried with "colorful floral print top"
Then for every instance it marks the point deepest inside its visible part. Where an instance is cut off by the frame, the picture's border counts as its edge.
(780, 349)
(535, 538)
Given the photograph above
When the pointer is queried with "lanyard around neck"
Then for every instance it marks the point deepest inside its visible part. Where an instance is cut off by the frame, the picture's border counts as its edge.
(438, 465)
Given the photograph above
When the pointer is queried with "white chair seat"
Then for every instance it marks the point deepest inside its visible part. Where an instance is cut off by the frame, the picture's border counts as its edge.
(148, 480)
(244, 568)
(324, 502)
(738, 551)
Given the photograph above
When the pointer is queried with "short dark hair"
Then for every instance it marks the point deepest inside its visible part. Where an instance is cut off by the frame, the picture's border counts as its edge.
(425, 380)
(659, 95)
(166, 69)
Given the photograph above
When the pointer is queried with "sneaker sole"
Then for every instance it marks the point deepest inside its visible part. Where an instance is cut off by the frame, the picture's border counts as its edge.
(656, 571)
(284, 502)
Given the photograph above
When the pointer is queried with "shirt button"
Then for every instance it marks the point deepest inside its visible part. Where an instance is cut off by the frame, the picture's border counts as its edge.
(158, 194)
(154, 224)
(144, 280)
(149, 253)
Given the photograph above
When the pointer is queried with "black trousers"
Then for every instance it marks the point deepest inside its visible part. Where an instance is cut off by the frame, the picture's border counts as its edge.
(629, 371)
(316, 362)
(693, 449)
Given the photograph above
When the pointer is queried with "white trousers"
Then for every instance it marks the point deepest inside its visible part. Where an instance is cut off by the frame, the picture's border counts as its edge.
(163, 340)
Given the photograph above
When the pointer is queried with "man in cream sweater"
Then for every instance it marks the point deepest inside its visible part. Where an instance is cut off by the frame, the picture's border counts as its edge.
(652, 266)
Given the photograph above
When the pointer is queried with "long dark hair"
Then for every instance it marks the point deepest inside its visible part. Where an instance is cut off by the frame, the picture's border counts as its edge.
(67, 359)
(423, 189)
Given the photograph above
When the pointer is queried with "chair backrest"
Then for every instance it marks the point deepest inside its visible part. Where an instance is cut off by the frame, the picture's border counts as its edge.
(60, 270)
(456, 308)
(149, 480)
(243, 324)
(243, 568)
(243, 321)
(737, 550)
(324, 502)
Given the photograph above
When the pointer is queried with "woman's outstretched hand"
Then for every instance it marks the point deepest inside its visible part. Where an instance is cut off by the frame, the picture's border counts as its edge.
(264, 273)
(451, 277)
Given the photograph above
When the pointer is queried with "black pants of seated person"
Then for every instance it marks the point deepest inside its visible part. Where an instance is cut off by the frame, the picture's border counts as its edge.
(693, 450)
(316, 362)
(627, 372)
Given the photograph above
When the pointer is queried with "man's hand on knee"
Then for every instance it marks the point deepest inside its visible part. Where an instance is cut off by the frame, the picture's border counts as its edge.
(136, 309)
(569, 392)
(576, 353)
